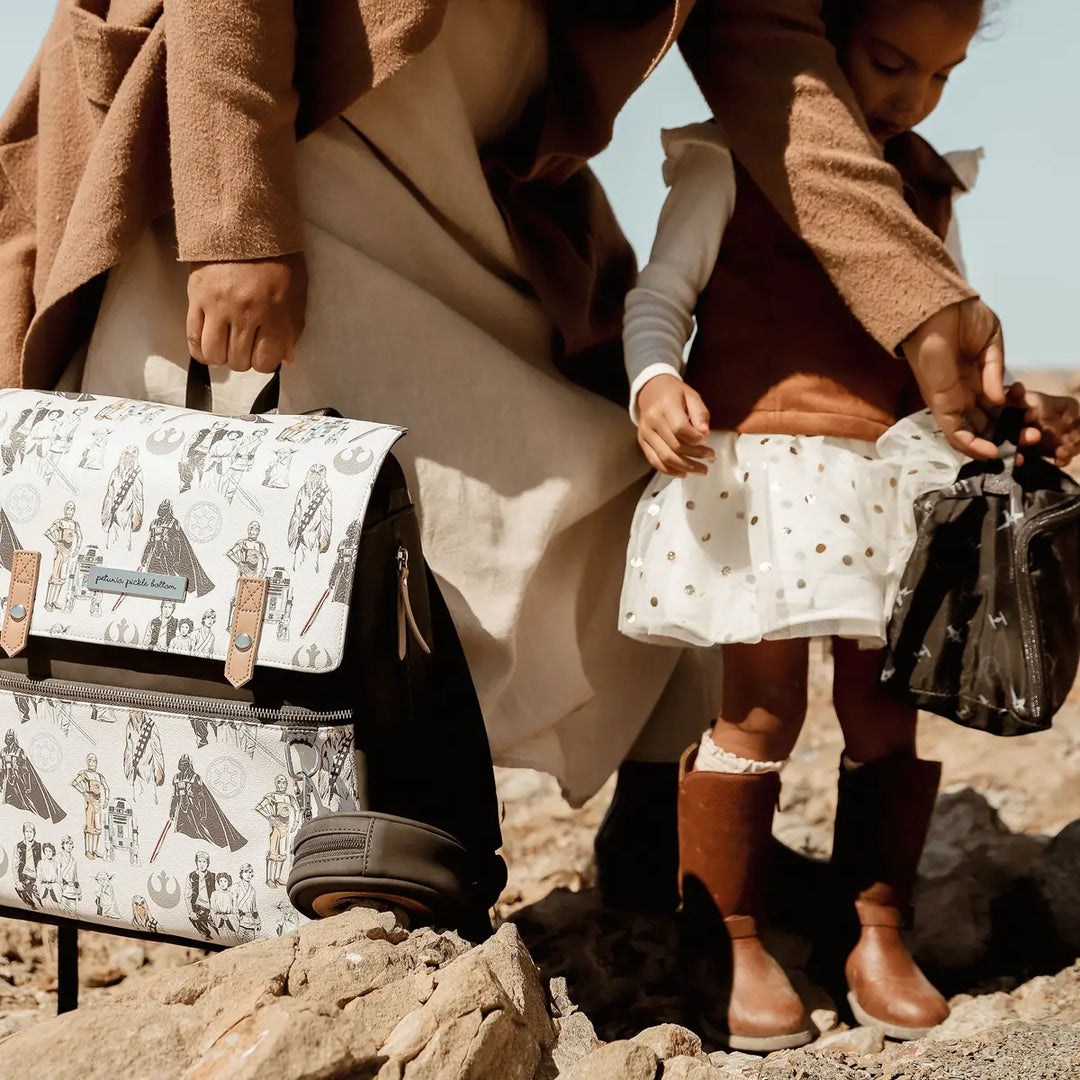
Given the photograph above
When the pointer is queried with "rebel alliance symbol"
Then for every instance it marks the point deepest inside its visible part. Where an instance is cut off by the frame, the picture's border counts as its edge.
(122, 632)
(165, 441)
(226, 777)
(22, 503)
(166, 893)
(353, 460)
(312, 657)
(203, 522)
(45, 752)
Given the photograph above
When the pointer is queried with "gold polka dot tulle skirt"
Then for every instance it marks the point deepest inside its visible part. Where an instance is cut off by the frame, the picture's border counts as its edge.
(787, 536)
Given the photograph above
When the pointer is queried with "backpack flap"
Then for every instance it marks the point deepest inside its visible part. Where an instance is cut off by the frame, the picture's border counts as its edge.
(163, 529)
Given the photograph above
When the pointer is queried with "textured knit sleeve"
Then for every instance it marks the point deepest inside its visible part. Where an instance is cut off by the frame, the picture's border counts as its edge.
(659, 315)
(771, 78)
(232, 112)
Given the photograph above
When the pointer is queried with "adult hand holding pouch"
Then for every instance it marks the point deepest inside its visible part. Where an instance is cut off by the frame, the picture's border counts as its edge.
(986, 624)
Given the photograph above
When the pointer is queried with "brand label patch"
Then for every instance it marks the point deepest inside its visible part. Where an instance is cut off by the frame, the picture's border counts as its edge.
(136, 583)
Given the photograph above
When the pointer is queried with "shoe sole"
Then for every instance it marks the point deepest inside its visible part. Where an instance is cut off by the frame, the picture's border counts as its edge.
(891, 1031)
(759, 1045)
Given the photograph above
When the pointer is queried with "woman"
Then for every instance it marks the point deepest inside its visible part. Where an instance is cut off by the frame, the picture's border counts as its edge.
(513, 273)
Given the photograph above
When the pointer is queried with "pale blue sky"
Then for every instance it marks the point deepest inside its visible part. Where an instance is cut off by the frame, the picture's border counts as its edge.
(1015, 97)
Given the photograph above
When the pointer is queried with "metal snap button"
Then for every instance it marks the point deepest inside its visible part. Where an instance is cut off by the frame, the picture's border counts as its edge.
(18, 612)
(242, 642)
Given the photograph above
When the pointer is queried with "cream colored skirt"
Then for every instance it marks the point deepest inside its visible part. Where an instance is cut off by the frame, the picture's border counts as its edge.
(525, 483)
(786, 536)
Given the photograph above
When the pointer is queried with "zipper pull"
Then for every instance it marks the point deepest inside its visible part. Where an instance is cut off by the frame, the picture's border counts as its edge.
(404, 606)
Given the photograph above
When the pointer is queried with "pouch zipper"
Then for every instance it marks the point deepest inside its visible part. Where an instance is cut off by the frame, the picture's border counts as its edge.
(405, 616)
(1029, 630)
(181, 704)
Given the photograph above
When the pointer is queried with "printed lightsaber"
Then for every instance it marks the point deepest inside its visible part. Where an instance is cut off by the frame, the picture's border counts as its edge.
(54, 470)
(120, 598)
(238, 490)
(315, 613)
(161, 839)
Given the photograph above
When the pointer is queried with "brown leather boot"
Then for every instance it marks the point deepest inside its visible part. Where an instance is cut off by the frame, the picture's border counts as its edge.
(882, 818)
(740, 994)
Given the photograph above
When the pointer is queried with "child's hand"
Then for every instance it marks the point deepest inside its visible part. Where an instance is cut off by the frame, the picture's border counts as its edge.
(1057, 419)
(673, 426)
(247, 314)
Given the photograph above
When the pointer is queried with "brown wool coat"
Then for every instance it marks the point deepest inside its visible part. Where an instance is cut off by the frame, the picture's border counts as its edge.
(133, 106)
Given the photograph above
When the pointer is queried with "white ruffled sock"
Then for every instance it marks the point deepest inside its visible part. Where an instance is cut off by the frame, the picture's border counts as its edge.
(713, 758)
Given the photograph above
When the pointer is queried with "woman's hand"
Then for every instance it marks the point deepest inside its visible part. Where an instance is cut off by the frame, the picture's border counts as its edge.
(673, 427)
(247, 314)
(958, 359)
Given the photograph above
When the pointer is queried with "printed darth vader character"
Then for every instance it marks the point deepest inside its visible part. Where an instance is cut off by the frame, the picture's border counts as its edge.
(20, 785)
(169, 551)
(195, 812)
(341, 575)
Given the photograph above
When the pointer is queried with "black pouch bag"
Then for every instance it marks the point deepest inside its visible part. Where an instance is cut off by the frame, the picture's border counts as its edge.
(986, 624)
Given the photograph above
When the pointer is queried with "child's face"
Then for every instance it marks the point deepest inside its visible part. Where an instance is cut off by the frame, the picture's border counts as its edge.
(900, 55)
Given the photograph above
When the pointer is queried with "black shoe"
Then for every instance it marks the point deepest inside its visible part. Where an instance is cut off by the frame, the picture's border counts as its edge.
(637, 844)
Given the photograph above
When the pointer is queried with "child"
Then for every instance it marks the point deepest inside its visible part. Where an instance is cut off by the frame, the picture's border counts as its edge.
(786, 518)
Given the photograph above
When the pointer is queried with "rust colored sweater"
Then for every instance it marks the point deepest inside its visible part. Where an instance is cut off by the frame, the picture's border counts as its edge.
(777, 350)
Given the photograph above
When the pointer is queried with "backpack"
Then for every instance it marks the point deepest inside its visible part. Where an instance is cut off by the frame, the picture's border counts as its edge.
(222, 644)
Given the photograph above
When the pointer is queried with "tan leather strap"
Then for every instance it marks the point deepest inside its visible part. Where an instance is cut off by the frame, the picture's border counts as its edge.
(740, 926)
(20, 601)
(875, 914)
(248, 612)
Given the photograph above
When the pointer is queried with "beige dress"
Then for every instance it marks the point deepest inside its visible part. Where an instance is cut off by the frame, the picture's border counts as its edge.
(525, 482)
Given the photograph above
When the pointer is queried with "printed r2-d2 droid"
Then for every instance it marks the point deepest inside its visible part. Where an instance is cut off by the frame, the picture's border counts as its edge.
(121, 830)
(89, 557)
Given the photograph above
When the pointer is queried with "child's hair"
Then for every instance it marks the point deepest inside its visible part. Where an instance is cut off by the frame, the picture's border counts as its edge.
(841, 15)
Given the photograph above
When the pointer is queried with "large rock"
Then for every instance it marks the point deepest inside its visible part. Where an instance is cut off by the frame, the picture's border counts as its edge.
(684, 1067)
(1057, 876)
(669, 1041)
(576, 1038)
(472, 1024)
(353, 996)
(622, 1060)
(970, 861)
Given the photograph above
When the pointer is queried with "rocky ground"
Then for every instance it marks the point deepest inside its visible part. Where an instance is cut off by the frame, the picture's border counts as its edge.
(998, 925)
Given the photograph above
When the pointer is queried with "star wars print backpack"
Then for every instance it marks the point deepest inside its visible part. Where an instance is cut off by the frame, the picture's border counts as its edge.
(986, 627)
(220, 645)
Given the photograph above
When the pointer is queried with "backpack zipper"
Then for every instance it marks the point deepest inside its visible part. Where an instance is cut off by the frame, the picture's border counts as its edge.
(114, 696)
